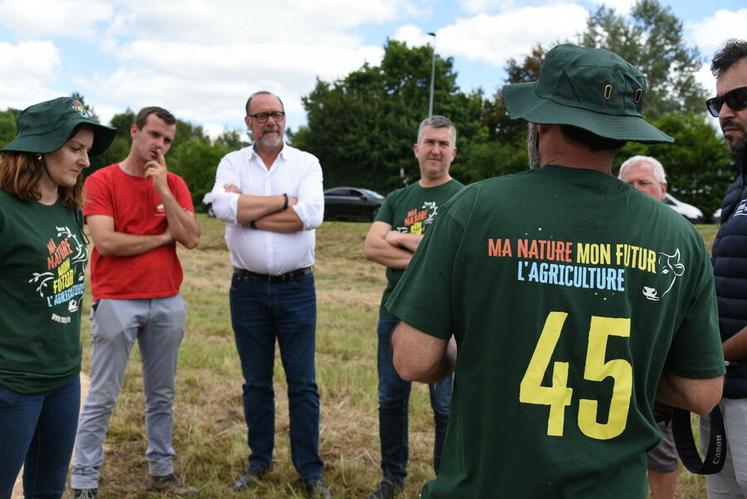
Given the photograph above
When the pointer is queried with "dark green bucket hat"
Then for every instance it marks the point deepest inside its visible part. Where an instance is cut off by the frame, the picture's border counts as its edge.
(46, 126)
(593, 89)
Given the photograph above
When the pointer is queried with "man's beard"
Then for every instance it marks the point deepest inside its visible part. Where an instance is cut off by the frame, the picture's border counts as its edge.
(739, 147)
(736, 147)
(533, 153)
(271, 142)
(265, 141)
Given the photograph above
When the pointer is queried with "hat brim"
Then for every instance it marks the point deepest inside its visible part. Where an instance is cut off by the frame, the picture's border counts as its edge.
(522, 101)
(103, 136)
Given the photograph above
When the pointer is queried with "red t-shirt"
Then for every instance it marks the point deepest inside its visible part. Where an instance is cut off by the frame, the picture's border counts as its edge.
(136, 208)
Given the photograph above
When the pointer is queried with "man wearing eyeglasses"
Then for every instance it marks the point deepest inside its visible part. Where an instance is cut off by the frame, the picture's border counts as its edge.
(647, 175)
(270, 194)
(729, 257)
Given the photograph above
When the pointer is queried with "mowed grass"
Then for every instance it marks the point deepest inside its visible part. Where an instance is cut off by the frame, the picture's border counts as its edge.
(210, 433)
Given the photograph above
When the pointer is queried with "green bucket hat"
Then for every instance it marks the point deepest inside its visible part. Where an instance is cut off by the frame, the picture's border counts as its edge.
(46, 126)
(593, 89)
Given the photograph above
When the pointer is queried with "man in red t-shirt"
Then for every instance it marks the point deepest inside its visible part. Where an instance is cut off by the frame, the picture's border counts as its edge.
(136, 211)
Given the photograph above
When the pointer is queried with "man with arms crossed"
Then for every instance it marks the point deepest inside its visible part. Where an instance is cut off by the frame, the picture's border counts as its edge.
(647, 175)
(136, 211)
(272, 198)
(566, 314)
(729, 252)
(400, 225)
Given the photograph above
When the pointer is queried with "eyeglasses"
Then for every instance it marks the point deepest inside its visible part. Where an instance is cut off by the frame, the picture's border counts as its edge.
(736, 100)
(262, 117)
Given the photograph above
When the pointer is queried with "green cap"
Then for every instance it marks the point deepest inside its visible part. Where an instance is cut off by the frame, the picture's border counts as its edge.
(46, 126)
(593, 89)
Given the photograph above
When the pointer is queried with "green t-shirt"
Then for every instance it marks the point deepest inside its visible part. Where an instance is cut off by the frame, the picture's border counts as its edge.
(43, 256)
(412, 210)
(568, 293)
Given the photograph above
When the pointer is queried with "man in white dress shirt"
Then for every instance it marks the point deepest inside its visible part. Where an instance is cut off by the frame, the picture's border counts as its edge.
(271, 196)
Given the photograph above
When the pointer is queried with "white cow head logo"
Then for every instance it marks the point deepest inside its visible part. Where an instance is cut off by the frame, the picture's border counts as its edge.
(671, 267)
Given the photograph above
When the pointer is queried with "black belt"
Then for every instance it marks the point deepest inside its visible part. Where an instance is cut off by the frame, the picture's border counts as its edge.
(291, 276)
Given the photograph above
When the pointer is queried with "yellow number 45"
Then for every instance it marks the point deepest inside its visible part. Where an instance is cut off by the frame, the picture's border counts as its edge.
(558, 396)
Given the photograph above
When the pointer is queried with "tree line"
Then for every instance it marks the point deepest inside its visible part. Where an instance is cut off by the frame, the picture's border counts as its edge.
(362, 127)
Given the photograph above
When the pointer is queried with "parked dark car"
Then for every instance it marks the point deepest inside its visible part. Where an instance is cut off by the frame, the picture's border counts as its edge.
(351, 203)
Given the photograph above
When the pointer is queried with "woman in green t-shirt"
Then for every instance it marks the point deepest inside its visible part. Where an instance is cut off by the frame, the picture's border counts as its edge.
(43, 255)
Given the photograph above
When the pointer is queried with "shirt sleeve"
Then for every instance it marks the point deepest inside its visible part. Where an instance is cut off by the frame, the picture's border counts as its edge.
(423, 296)
(98, 196)
(225, 204)
(696, 350)
(385, 213)
(310, 206)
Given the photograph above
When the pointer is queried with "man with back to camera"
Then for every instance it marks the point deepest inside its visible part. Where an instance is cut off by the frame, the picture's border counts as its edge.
(569, 319)
(271, 196)
(648, 176)
(136, 211)
(729, 257)
(394, 236)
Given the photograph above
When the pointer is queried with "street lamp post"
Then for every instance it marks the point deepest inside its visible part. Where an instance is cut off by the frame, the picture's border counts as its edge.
(433, 74)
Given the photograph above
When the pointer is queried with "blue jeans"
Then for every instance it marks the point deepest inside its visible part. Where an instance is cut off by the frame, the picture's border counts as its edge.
(38, 432)
(394, 397)
(286, 311)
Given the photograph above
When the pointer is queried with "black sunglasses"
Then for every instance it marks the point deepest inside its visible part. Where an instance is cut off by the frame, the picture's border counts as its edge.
(736, 100)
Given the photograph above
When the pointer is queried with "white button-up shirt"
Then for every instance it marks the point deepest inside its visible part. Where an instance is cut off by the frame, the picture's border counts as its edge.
(295, 173)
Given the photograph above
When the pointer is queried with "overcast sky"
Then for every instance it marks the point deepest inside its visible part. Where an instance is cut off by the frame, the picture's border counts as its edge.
(202, 58)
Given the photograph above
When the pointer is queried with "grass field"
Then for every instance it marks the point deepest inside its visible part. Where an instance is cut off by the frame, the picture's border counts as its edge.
(210, 434)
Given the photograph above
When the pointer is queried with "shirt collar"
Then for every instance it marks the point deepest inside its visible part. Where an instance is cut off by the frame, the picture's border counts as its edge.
(281, 155)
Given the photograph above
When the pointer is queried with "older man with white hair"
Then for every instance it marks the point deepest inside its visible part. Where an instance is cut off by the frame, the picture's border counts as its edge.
(648, 176)
(645, 174)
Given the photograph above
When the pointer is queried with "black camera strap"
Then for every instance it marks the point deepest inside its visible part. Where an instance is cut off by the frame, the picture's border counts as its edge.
(688, 451)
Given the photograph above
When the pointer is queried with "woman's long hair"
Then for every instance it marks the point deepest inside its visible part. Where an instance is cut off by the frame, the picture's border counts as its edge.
(21, 172)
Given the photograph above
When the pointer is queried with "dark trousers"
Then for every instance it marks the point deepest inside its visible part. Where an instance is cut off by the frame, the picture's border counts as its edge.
(38, 432)
(394, 398)
(262, 312)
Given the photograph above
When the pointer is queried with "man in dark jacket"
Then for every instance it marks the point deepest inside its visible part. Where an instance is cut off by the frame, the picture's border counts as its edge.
(729, 252)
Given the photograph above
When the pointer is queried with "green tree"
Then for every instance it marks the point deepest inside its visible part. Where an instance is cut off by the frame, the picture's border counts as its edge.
(653, 41)
(187, 131)
(7, 126)
(196, 160)
(122, 122)
(505, 150)
(501, 127)
(362, 127)
(230, 140)
(120, 146)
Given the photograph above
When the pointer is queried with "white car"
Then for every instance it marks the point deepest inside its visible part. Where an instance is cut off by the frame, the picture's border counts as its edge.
(207, 204)
(686, 210)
